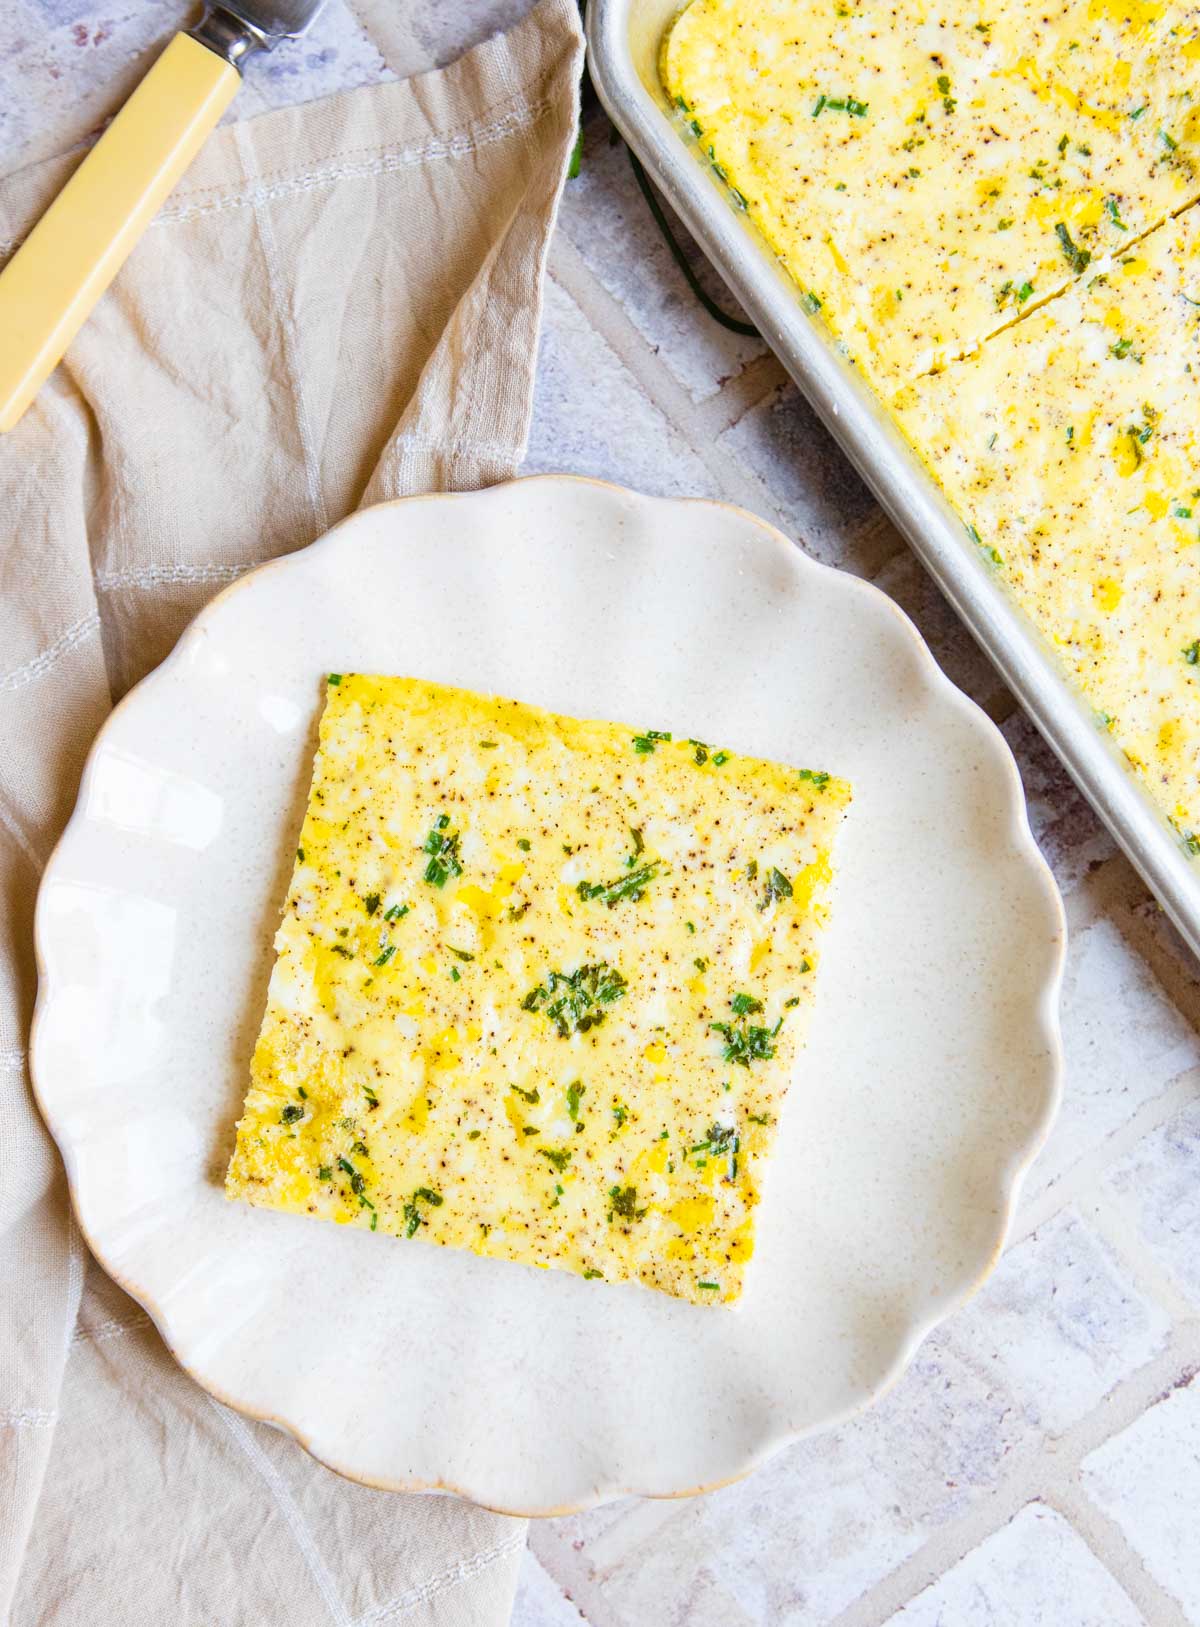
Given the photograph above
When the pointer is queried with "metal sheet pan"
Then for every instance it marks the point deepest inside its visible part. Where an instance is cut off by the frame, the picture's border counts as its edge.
(624, 37)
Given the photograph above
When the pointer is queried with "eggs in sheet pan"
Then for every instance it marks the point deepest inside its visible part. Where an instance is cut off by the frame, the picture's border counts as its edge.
(924, 173)
(1072, 443)
(993, 208)
(540, 986)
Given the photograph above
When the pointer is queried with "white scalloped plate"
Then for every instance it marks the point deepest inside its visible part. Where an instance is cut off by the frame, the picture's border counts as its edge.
(931, 1073)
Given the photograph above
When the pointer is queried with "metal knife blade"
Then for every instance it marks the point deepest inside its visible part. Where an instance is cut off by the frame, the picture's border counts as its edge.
(234, 31)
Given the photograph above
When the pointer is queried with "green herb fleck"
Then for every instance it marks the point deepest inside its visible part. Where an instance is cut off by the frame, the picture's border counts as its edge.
(324, 1173)
(560, 1157)
(291, 1113)
(1113, 210)
(371, 903)
(1078, 259)
(574, 1097)
(576, 1001)
(622, 1201)
(396, 913)
(412, 1214)
(631, 886)
(334, 678)
(747, 1042)
(524, 843)
(810, 302)
(1191, 655)
(442, 846)
(645, 743)
(382, 960)
(745, 1003)
(357, 1184)
(778, 886)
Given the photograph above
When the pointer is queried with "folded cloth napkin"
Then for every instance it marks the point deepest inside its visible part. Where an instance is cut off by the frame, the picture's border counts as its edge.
(338, 305)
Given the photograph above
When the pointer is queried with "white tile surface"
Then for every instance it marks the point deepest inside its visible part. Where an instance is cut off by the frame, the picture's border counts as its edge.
(1159, 1182)
(67, 65)
(1147, 1479)
(1125, 1042)
(1036, 1559)
(606, 218)
(1058, 1325)
(540, 1602)
(590, 417)
(815, 496)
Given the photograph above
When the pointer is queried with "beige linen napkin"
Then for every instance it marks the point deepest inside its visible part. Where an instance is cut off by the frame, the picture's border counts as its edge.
(338, 305)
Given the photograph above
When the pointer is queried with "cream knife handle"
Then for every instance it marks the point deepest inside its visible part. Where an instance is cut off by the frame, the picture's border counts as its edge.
(52, 283)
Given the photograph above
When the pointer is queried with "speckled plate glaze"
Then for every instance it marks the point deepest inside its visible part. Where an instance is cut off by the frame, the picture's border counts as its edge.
(931, 1073)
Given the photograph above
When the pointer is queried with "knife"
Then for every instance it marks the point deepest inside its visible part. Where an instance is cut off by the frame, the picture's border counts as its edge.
(53, 281)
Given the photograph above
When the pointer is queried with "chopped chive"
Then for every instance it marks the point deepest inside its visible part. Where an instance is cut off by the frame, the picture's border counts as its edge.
(1078, 259)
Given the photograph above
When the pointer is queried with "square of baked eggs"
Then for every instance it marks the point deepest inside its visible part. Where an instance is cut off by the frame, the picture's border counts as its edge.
(540, 986)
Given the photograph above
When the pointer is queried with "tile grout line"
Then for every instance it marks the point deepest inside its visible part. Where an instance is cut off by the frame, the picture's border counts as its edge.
(1080, 1184)
(759, 379)
(1109, 1216)
(1111, 1548)
(1122, 893)
(571, 1575)
(1039, 1473)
